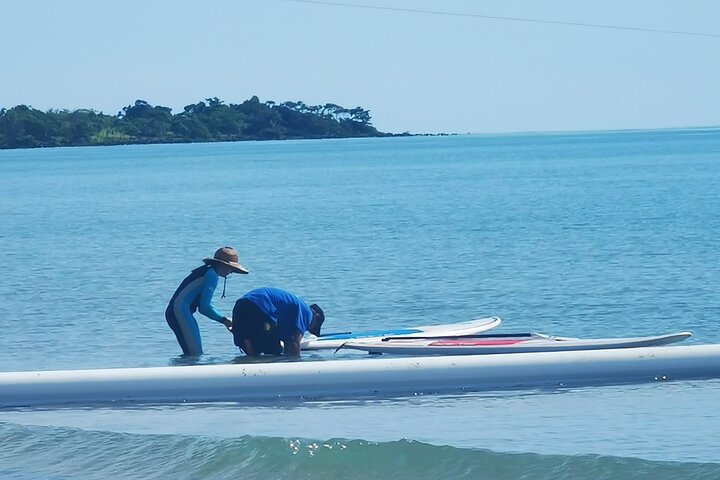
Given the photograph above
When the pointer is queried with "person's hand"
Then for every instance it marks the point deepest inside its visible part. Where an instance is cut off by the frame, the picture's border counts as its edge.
(228, 323)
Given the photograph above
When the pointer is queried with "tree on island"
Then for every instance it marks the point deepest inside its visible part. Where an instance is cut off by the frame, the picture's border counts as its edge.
(211, 120)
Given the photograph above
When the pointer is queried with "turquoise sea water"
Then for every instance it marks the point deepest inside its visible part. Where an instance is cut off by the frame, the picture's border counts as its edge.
(590, 235)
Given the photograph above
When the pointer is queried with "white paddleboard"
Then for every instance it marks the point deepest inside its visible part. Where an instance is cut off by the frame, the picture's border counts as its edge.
(503, 343)
(335, 340)
(391, 376)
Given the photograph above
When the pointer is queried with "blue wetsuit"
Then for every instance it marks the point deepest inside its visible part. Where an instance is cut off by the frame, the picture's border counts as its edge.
(288, 314)
(194, 294)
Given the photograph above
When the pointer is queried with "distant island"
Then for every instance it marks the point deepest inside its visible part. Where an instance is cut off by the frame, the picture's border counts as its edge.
(211, 120)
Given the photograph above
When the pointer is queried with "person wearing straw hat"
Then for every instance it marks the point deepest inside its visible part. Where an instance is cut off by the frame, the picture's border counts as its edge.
(272, 321)
(195, 294)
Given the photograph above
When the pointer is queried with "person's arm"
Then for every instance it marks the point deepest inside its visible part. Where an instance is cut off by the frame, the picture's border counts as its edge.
(292, 345)
(210, 283)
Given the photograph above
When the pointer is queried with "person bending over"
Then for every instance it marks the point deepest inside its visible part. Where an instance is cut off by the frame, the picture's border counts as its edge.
(272, 321)
(195, 294)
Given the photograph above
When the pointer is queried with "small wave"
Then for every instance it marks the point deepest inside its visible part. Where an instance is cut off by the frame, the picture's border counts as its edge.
(64, 453)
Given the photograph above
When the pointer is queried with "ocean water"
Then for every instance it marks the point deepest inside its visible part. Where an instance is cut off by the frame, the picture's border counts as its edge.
(588, 234)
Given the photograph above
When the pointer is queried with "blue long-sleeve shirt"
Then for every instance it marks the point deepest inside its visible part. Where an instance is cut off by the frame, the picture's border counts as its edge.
(287, 311)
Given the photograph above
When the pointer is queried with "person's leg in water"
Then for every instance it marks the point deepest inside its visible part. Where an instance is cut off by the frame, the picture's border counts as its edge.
(189, 330)
(175, 327)
(253, 332)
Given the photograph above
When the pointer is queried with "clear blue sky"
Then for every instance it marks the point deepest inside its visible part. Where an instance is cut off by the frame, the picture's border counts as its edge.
(415, 72)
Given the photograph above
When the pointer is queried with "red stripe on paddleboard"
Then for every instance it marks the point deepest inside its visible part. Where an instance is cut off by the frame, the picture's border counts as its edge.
(470, 343)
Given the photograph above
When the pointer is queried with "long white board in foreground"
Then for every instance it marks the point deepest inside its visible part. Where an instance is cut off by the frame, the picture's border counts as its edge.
(350, 379)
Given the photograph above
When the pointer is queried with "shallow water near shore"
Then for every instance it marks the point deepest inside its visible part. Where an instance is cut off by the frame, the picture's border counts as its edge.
(589, 235)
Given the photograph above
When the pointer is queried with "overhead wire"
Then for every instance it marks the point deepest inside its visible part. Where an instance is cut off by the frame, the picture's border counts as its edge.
(508, 18)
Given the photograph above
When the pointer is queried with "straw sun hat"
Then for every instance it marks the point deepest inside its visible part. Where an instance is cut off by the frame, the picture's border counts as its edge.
(227, 256)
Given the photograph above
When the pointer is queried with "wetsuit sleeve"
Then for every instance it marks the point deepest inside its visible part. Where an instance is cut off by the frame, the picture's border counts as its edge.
(208, 289)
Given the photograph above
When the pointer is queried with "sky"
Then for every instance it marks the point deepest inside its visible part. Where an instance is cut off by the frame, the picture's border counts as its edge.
(415, 72)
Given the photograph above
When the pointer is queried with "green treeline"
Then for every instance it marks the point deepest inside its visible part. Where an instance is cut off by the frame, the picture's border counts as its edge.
(208, 121)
